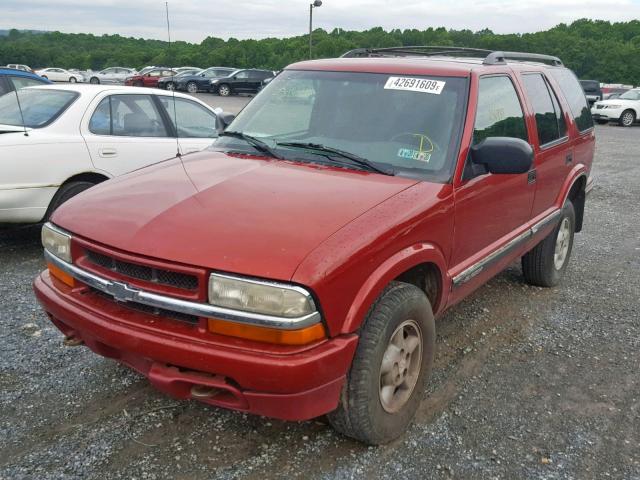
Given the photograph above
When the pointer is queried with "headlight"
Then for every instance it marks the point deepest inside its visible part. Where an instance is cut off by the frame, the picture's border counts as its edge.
(214, 81)
(259, 297)
(56, 242)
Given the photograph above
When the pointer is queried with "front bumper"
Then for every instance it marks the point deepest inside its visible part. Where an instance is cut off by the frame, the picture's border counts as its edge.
(606, 113)
(291, 385)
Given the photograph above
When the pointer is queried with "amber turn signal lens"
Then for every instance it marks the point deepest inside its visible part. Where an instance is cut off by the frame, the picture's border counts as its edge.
(64, 277)
(268, 335)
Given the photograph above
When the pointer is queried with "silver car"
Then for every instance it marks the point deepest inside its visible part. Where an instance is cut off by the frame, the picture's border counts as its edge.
(111, 76)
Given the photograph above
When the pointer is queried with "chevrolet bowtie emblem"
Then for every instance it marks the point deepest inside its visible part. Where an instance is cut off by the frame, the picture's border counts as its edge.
(121, 292)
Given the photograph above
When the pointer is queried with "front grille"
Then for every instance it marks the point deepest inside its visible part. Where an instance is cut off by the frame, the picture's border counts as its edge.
(182, 281)
(157, 312)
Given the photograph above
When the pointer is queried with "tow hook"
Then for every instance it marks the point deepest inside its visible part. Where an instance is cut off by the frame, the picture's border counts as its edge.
(72, 341)
(204, 391)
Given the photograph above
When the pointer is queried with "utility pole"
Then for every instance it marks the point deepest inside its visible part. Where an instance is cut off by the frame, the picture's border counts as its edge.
(315, 4)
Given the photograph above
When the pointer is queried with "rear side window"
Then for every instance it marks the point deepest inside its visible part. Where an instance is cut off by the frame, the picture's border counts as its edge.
(549, 118)
(127, 116)
(572, 91)
(499, 112)
(39, 107)
(21, 82)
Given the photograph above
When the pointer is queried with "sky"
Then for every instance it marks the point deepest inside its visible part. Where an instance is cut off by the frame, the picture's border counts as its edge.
(194, 20)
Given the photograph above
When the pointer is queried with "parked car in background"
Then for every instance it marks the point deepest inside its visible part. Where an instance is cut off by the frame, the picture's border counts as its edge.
(592, 90)
(149, 79)
(60, 75)
(12, 79)
(240, 81)
(111, 76)
(144, 70)
(202, 81)
(81, 135)
(296, 267)
(169, 83)
(18, 66)
(625, 110)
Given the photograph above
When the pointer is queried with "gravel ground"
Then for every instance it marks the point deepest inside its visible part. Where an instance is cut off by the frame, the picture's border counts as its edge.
(528, 382)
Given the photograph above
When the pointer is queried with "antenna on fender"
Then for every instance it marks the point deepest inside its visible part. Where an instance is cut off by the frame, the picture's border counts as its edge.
(24, 125)
(173, 91)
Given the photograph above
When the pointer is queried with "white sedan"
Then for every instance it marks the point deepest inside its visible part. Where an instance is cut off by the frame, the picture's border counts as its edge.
(60, 75)
(112, 75)
(75, 136)
(625, 109)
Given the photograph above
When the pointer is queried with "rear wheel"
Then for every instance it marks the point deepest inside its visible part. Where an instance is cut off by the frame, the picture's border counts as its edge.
(393, 361)
(224, 90)
(545, 265)
(138, 84)
(64, 193)
(94, 80)
(171, 86)
(192, 87)
(627, 118)
(72, 80)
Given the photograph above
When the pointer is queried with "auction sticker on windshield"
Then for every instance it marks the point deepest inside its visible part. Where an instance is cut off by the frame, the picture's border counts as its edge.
(410, 84)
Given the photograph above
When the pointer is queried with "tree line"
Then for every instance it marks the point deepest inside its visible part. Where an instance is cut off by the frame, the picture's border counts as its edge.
(594, 49)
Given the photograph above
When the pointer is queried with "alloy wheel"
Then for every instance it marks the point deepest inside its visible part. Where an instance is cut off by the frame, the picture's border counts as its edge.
(401, 366)
(562, 244)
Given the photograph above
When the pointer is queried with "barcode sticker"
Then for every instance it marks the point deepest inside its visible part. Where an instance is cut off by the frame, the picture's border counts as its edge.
(422, 85)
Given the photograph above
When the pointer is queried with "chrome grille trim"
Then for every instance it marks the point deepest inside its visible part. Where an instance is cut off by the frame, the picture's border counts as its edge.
(122, 292)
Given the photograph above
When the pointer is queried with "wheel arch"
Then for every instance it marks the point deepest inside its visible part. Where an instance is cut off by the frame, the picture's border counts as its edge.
(93, 177)
(575, 190)
(422, 265)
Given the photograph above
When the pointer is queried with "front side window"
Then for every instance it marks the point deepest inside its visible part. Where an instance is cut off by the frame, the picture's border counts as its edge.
(549, 118)
(408, 125)
(574, 94)
(630, 95)
(193, 120)
(39, 107)
(499, 113)
(243, 74)
(128, 116)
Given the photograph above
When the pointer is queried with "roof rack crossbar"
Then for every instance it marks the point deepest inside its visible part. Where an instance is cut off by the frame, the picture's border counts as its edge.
(490, 57)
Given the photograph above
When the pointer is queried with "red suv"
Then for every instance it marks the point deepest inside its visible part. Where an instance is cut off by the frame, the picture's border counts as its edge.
(295, 268)
(150, 78)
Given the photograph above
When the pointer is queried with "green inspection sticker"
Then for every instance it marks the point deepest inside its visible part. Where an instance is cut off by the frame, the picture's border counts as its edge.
(412, 154)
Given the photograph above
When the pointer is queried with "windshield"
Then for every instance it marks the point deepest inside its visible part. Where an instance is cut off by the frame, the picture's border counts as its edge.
(630, 95)
(39, 107)
(407, 125)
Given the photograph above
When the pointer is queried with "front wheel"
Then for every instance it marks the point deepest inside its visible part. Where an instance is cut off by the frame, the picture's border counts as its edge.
(171, 86)
(94, 81)
(392, 363)
(224, 90)
(545, 265)
(138, 84)
(72, 80)
(627, 118)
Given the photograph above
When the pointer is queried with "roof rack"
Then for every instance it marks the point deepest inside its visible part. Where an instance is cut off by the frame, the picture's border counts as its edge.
(490, 57)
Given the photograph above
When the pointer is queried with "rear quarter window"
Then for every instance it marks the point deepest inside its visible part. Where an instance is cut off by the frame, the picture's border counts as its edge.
(574, 94)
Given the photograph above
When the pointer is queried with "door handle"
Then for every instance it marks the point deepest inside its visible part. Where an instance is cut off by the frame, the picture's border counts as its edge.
(108, 152)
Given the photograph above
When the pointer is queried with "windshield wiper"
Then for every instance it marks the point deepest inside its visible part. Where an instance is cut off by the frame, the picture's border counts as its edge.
(253, 141)
(352, 157)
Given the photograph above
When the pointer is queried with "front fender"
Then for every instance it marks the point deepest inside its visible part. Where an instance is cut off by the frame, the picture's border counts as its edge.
(390, 269)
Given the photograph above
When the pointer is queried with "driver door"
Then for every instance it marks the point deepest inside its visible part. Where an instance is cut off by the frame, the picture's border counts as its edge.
(491, 210)
(125, 132)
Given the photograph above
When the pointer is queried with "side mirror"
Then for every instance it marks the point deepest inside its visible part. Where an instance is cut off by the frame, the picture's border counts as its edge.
(503, 155)
(225, 119)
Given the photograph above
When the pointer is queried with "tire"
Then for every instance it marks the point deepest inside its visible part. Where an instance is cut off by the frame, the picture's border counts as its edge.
(224, 90)
(72, 80)
(546, 263)
(64, 193)
(94, 81)
(138, 84)
(192, 87)
(171, 86)
(627, 119)
(602, 122)
(362, 412)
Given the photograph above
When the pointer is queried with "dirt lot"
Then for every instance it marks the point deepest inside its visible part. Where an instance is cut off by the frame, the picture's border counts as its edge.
(528, 382)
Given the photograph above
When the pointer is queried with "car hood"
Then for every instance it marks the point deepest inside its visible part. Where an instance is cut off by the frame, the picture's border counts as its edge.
(619, 101)
(239, 214)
